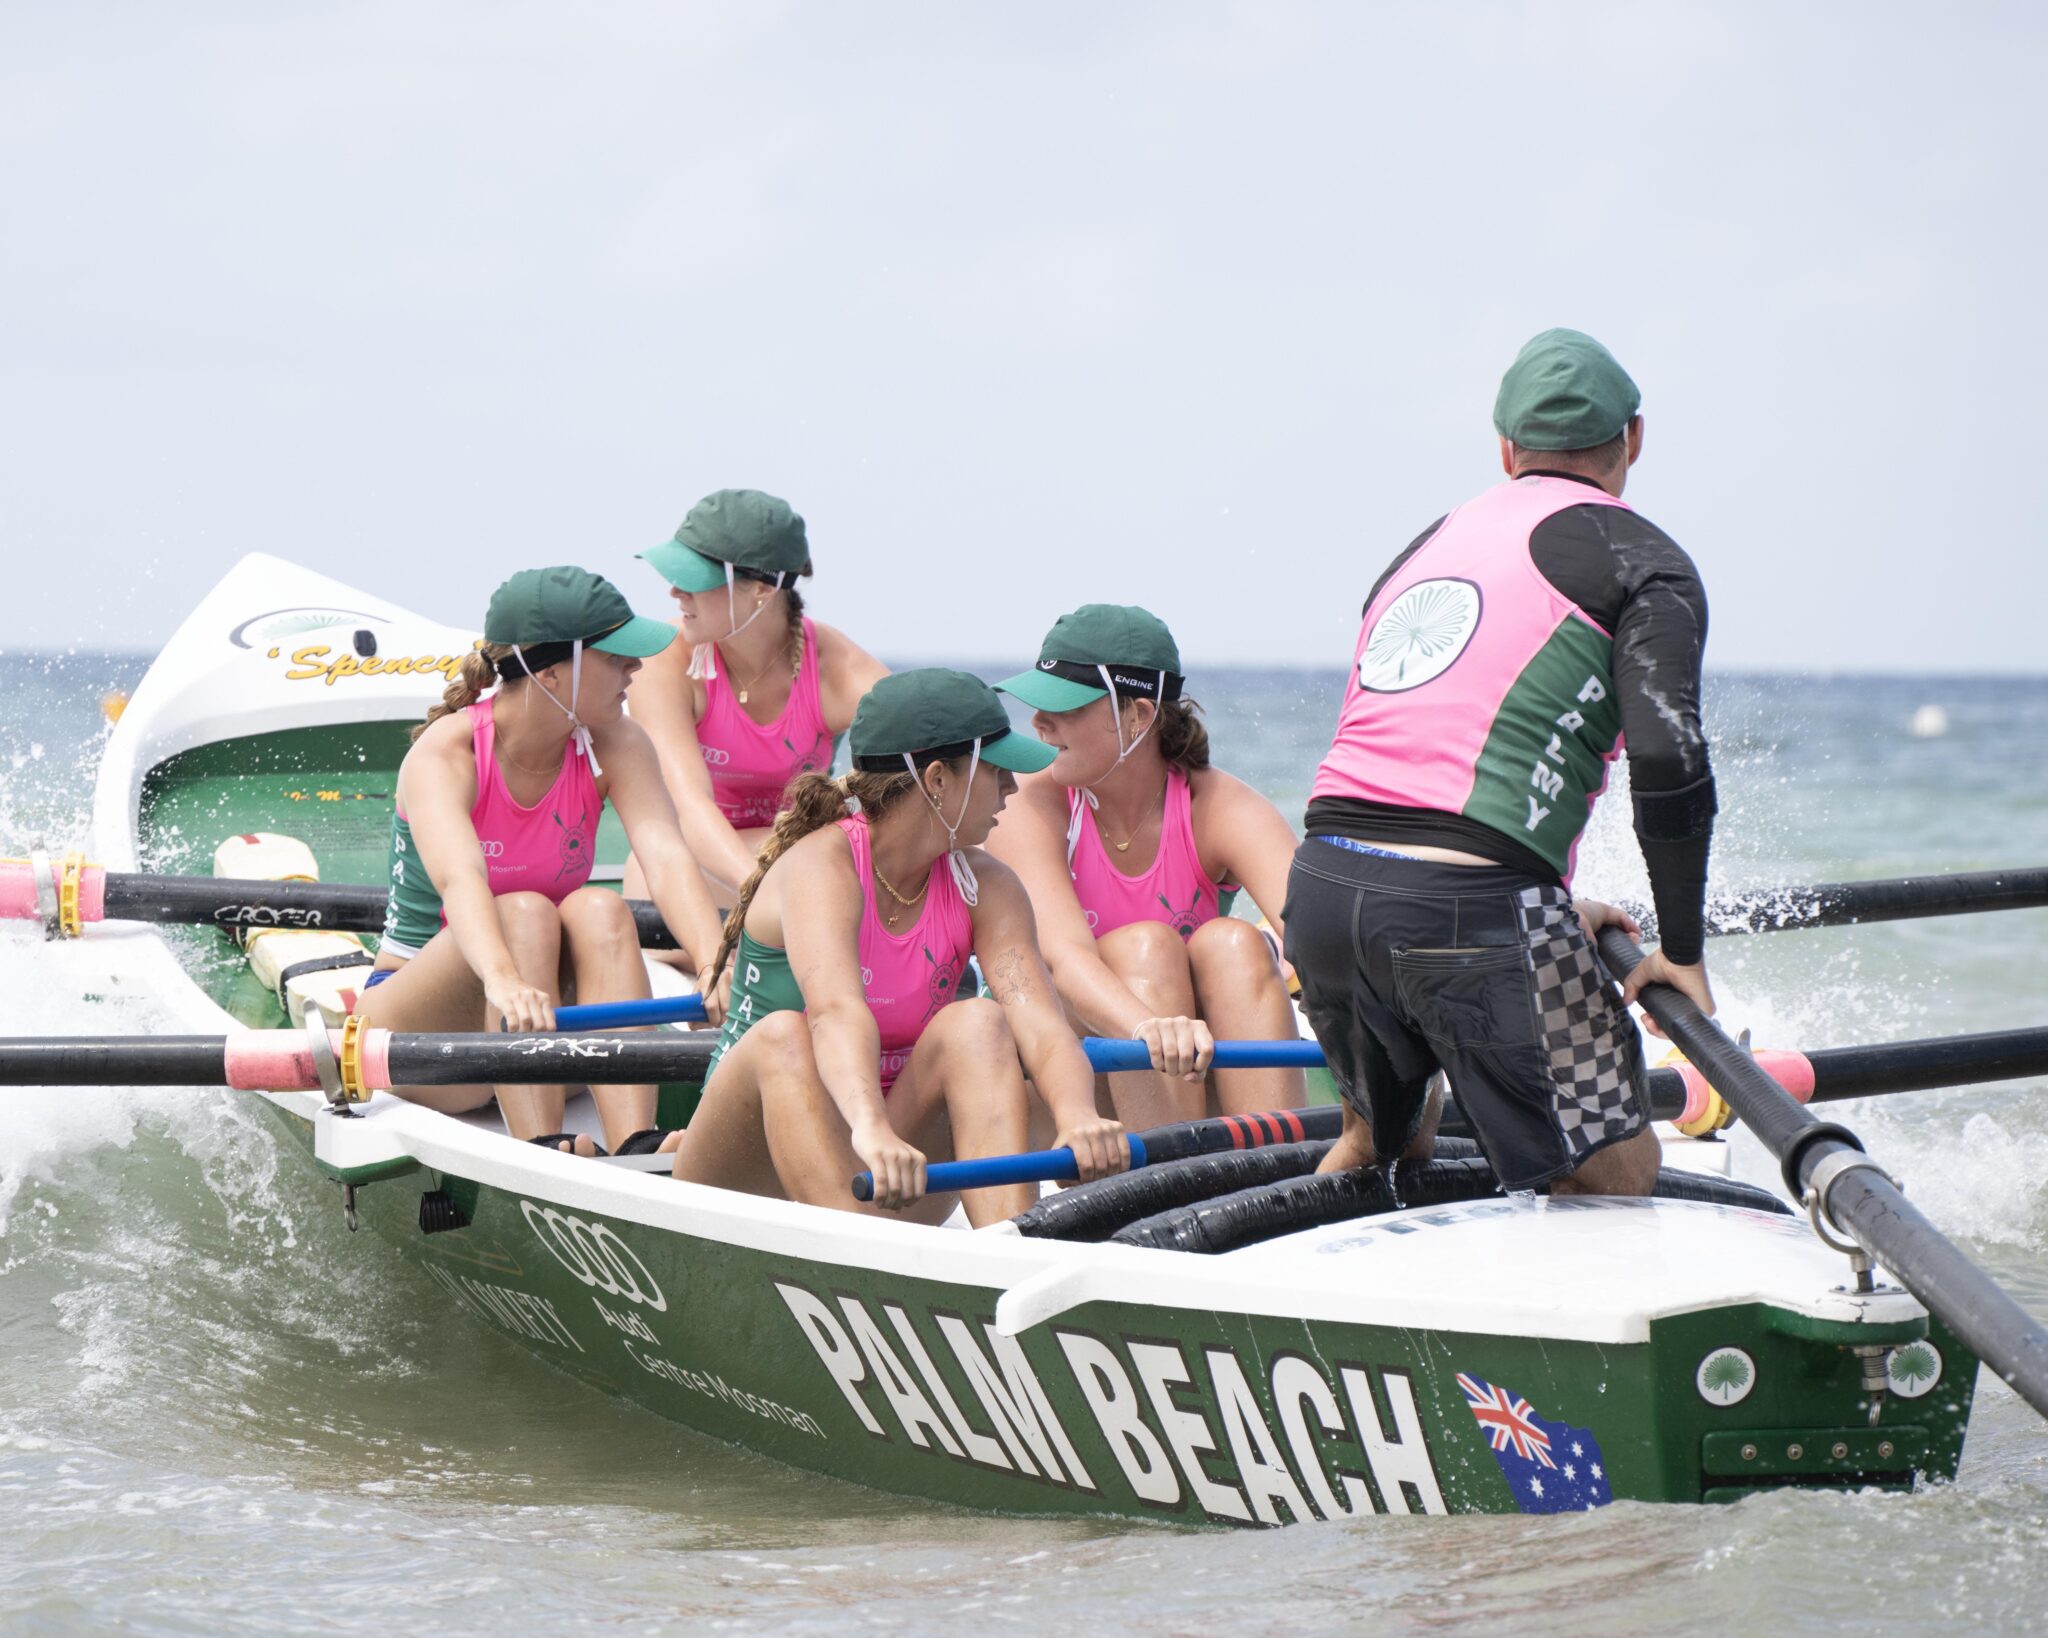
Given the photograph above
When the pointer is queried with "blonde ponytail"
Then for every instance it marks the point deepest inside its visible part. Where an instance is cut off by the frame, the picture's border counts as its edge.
(474, 679)
(811, 803)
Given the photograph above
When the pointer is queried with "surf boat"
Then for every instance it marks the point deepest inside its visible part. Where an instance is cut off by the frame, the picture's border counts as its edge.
(1469, 1355)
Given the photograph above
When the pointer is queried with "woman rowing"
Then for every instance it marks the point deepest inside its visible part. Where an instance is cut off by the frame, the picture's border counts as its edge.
(1132, 847)
(490, 921)
(843, 1045)
(757, 693)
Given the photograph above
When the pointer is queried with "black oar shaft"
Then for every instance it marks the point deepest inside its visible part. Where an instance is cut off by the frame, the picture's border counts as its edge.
(1915, 1066)
(1904, 898)
(592, 1060)
(142, 1060)
(1865, 1203)
(333, 906)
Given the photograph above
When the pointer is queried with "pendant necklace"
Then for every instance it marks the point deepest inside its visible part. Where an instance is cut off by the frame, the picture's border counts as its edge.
(795, 659)
(891, 917)
(1125, 845)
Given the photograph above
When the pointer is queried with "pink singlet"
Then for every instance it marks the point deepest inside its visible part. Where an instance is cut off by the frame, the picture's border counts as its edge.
(752, 765)
(1175, 890)
(908, 976)
(545, 849)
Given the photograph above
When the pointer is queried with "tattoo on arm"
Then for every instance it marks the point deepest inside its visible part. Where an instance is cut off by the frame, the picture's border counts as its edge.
(1009, 977)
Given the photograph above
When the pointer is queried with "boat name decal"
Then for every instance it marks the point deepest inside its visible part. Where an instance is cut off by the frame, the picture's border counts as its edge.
(594, 1255)
(1285, 1437)
(520, 1312)
(319, 663)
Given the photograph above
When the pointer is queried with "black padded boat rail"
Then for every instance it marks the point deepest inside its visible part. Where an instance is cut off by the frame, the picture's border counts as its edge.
(1252, 1215)
(1095, 1211)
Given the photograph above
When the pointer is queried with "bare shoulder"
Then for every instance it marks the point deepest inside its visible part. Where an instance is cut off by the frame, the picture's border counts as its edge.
(844, 663)
(443, 758)
(1214, 787)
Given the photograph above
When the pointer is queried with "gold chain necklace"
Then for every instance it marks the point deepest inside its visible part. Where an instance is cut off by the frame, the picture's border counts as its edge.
(893, 916)
(794, 653)
(1125, 845)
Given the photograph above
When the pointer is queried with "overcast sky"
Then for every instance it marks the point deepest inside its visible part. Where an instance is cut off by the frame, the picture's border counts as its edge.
(1022, 305)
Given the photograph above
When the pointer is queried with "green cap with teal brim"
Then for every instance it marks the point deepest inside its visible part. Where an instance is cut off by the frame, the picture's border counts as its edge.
(759, 533)
(565, 604)
(934, 710)
(1131, 643)
(1564, 391)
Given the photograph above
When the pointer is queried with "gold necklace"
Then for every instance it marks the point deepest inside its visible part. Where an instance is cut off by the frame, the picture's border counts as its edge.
(893, 916)
(1125, 845)
(794, 654)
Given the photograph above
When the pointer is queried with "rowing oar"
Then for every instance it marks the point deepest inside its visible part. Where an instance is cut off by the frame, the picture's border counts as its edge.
(1824, 1164)
(1898, 898)
(1682, 1094)
(662, 1009)
(363, 1060)
(66, 895)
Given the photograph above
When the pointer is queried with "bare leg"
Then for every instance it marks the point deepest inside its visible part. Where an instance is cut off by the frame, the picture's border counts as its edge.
(1153, 964)
(602, 952)
(964, 1088)
(1241, 997)
(533, 933)
(436, 992)
(1628, 1168)
(768, 1126)
(1354, 1149)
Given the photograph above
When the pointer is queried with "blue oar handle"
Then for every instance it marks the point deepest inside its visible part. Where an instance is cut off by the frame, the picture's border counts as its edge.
(663, 1009)
(1106, 1055)
(1038, 1166)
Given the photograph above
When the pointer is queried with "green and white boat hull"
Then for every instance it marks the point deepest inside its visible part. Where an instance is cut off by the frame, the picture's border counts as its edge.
(1657, 1351)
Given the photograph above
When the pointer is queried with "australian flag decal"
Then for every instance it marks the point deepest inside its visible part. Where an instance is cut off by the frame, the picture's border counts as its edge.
(1551, 1467)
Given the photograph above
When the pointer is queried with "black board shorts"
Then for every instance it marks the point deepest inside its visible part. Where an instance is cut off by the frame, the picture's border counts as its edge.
(1408, 966)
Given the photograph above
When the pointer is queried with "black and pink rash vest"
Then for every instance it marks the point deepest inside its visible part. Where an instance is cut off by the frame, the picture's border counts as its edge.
(1503, 662)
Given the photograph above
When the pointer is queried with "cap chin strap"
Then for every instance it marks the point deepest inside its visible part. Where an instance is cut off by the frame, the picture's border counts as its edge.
(963, 872)
(579, 735)
(1116, 711)
(704, 657)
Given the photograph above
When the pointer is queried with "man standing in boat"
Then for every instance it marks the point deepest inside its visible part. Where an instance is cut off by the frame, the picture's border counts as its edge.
(1505, 658)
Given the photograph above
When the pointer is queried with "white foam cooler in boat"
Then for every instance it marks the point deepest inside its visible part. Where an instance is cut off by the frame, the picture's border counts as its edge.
(298, 964)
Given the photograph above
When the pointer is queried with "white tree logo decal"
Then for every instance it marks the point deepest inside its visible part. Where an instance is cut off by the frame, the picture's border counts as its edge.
(1914, 1369)
(1421, 633)
(1725, 1376)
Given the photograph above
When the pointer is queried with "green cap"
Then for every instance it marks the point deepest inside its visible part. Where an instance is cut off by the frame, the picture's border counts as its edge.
(563, 604)
(938, 710)
(1134, 645)
(1564, 391)
(742, 527)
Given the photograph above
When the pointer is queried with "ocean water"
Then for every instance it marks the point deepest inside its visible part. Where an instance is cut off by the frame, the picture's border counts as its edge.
(221, 1413)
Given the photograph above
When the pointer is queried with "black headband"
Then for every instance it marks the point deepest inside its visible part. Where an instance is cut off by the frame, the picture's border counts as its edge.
(539, 656)
(1132, 682)
(892, 761)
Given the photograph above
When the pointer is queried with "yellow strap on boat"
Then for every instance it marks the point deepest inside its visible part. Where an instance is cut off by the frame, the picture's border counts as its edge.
(1714, 1117)
(352, 1060)
(72, 874)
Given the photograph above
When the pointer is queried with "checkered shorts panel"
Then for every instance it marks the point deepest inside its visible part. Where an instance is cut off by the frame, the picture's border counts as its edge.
(1596, 1056)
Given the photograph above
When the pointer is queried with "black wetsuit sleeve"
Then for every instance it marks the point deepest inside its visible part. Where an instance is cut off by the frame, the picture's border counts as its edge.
(1635, 580)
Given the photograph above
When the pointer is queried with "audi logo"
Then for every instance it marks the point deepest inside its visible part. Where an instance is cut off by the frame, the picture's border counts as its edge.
(715, 756)
(594, 1255)
(493, 848)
